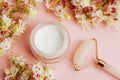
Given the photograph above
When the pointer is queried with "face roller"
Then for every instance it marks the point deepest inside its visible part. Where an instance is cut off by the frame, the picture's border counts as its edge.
(82, 54)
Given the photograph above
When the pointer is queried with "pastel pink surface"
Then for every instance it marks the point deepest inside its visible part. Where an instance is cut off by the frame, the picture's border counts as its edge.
(108, 41)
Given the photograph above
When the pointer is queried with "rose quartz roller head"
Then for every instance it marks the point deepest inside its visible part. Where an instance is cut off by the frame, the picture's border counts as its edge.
(82, 55)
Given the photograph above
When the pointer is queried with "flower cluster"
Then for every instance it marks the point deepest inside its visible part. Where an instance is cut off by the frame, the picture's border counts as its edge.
(20, 70)
(42, 73)
(14, 15)
(58, 7)
(87, 12)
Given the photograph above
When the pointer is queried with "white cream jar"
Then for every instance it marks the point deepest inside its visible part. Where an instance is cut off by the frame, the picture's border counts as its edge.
(49, 41)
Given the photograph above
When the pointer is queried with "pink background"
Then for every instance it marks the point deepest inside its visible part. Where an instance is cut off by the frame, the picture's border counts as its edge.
(108, 41)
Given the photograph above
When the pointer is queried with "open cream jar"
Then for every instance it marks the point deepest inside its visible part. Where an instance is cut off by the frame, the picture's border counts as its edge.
(49, 41)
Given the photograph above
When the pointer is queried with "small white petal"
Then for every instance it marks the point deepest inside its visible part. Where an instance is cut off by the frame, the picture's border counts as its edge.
(6, 20)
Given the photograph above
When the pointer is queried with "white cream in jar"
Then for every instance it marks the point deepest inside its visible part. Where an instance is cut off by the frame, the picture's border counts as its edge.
(49, 41)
